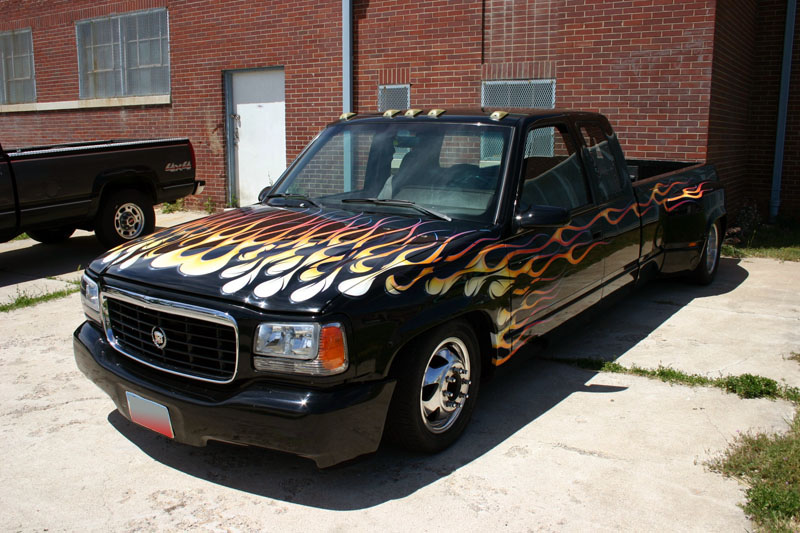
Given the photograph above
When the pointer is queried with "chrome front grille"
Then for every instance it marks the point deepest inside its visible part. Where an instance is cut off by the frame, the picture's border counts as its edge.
(177, 338)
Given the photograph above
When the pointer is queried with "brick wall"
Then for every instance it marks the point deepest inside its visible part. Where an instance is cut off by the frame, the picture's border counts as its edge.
(730, 129)
(764, 112)
(303, 36)
(646, 64)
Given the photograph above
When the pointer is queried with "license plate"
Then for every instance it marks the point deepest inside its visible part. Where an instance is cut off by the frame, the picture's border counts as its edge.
(149, 414)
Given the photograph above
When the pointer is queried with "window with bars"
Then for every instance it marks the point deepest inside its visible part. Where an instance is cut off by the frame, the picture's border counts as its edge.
(507, 94)
(17, 79)
(519, 93)
(124, 55)
(394, 97)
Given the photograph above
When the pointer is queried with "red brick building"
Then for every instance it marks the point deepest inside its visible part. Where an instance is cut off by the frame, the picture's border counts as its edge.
(689, 80)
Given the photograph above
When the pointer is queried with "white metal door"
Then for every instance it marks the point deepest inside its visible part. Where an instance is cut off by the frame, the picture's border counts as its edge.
(259, 130)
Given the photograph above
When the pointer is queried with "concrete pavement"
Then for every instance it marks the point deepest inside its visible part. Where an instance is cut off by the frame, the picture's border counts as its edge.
(550, 448)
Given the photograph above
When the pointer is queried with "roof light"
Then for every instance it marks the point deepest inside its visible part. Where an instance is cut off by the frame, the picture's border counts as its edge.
(390, 112)
(346, 116)
(498, 115)
(413, 112)
(435, 112)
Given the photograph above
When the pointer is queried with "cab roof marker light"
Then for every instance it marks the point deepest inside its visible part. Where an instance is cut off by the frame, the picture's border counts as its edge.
(498, 115)
(413, 112)
(435, 112)
(390, 112)
(346, 116)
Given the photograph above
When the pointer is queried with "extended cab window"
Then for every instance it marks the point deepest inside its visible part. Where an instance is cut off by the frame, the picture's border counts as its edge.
(610, 181)
(552, 171)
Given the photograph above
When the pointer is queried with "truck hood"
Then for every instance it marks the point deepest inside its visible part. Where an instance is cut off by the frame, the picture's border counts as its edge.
(288, 259)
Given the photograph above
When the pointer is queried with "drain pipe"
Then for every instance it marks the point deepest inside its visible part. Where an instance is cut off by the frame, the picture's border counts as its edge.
(783, 106)
(347, 56)
(347, 88)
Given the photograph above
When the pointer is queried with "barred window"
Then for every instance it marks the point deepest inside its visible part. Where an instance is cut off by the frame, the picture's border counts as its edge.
(519, 93)
(394, 97)
(17, 79)
(124, 55)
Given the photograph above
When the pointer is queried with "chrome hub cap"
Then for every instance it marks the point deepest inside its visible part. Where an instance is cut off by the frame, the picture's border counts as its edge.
(129, 221)
(712, 248)
(445, 385)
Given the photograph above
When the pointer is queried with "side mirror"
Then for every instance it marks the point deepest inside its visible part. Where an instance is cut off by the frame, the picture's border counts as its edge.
(264, 193)
(543, 215)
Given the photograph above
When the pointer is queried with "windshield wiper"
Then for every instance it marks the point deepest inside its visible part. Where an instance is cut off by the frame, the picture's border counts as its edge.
(301, 197)
(397, 203)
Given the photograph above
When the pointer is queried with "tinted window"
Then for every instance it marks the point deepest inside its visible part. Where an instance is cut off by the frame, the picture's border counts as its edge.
(610, 182)
(552, 172)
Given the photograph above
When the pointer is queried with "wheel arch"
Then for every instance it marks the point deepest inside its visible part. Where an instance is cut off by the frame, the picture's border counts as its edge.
(482, 327)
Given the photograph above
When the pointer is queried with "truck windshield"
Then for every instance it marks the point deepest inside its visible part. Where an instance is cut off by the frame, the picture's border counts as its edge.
(440, 170)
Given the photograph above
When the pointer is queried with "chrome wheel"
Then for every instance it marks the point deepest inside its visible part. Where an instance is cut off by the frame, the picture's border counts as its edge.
(712, 248)
(445, 385)
(129, 221)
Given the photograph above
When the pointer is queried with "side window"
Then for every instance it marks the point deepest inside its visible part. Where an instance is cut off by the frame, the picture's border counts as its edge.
(552, 171)
(610, 181)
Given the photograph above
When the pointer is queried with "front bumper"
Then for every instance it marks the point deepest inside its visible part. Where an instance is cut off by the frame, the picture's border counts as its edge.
(327, 426)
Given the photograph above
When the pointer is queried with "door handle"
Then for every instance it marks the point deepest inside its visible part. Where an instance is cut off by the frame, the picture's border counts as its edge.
(597, 235)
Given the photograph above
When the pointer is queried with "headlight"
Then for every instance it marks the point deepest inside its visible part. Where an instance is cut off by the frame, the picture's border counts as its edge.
(90, 298)
(300, 348)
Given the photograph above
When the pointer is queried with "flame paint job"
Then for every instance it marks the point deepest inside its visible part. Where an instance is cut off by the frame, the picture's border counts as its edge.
(262, 254)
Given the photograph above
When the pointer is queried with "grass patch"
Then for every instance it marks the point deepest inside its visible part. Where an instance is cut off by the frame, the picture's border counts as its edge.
(777, 241)
(770, 465)
(173, 207)
(744, 385)
(21, 237)
(794, 356)
(25, 299)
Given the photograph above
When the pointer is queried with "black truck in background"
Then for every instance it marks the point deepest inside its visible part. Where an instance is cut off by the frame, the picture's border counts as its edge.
(109, 187)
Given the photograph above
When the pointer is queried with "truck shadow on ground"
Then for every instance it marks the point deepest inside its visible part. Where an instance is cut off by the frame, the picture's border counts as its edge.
(39, 261)
(521, 392)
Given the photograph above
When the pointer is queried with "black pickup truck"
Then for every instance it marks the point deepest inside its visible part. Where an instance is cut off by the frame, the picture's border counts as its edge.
(106, 186)
(395, 264)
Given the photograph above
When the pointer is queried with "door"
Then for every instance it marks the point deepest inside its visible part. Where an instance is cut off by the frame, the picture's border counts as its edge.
(257, 131)
(557, 271)
(620, 227)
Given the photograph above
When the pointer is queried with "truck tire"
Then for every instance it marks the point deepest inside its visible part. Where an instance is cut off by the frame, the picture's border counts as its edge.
(438, 379)
(125, 215)
(51, 235)
(709, 261)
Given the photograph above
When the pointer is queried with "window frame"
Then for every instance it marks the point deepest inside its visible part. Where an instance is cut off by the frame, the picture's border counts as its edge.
(569, 130)
(119, 43)
(623, 178)
(4, 81)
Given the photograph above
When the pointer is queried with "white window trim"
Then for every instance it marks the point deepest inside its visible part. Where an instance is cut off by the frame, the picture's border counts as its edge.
(92, 103)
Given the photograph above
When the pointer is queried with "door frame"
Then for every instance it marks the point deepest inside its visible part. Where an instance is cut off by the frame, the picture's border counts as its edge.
(230, 146)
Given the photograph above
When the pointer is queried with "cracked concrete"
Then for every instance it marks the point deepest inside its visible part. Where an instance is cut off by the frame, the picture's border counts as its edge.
(550, 448)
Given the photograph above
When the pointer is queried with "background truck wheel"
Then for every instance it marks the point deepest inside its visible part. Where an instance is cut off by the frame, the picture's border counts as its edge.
(709, 261)
(124, 216)
(438, 379)
(51, 235)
